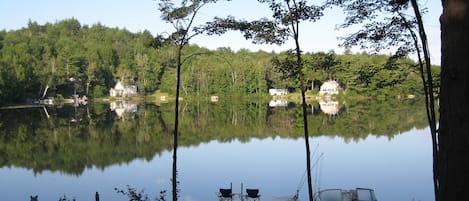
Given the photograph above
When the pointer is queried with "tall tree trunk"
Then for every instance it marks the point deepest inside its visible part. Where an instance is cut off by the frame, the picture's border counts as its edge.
(176, 124)
(295, 22)
(453, 138)
(427, 79)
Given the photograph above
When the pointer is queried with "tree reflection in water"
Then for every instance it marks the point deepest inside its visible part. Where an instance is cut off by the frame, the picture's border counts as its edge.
(101, 139)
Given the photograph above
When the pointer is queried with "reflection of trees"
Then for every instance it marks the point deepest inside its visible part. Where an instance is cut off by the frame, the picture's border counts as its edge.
(29, 139)
(54, 144)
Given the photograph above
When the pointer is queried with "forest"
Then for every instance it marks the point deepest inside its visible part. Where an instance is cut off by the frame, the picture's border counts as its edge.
(67, 56)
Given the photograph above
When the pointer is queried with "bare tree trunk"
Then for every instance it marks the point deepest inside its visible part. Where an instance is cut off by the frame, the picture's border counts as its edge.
(295, 27)
(45, 92)
(176, 124)
(88, 84)
(428, 87)
(453, 138)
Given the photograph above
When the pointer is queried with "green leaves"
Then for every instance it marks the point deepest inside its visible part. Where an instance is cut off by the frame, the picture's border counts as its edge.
(95, 56)
(49, 54)
(286, 66)
(274, 30)
(284, 12)
(171, 13)
(262, 31)
(384, 24)
(182, 18)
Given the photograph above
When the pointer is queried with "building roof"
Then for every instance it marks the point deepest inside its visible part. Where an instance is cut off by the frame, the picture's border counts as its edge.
(330, 84)
(119, 86)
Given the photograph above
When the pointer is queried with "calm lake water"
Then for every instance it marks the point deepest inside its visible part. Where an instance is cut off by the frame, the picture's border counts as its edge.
(78, 151)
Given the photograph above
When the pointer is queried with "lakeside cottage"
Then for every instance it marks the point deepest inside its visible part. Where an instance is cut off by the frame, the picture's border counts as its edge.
(123, 91)
(278, 92)
(330, 87)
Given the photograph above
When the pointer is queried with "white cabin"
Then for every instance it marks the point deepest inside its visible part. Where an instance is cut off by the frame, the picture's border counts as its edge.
(330, 87)
(121, 90)
(278, 92)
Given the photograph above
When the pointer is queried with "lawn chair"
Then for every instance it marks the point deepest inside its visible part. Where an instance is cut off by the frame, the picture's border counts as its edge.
(253, 194)
(225, 194)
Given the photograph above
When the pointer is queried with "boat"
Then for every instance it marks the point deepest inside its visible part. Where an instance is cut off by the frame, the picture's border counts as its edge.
(358, 194)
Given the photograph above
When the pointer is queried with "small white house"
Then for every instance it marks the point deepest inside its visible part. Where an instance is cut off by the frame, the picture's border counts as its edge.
(278, 92)
(121, 90)
(214, 98)
(329, 88)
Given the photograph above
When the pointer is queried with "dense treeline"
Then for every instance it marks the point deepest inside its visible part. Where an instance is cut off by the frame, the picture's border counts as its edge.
(66, 55)
(72, 140)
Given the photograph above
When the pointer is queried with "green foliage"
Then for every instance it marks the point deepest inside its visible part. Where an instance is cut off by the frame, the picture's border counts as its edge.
(133, 195)
(323, 62)
(286, 66)
(384, 24)
(52, 54)
(99, 91)
(96, 57)
(259, 31)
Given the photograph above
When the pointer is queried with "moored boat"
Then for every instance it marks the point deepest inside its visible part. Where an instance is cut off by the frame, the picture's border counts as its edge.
(358, 194)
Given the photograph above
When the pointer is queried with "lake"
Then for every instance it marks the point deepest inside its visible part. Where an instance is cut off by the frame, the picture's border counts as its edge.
(57, 151)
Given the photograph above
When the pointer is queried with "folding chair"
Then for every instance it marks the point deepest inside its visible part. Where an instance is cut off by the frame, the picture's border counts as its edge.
(225, 194)
(253, 194)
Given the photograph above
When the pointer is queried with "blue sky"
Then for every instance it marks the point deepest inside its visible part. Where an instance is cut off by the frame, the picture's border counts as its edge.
(139, 15)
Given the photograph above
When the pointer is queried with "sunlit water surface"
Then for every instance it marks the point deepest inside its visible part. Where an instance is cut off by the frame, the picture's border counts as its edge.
(397, 169)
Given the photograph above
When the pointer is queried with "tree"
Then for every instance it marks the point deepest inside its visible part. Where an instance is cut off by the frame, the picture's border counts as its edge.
(47, 56)
(182, 18)
(386, 24)
(286, 18)
(453, 139)
(322, 62)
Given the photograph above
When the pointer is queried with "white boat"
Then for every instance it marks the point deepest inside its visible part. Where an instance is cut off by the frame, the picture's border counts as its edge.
(358, 194)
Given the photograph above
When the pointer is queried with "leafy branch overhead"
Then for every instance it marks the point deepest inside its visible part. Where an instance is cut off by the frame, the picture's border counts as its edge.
(182, 18)
(274, 30)
(384, 24)
(263, 31)
(284, 13)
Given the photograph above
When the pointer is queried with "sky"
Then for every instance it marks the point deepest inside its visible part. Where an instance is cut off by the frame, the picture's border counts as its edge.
(140, 15)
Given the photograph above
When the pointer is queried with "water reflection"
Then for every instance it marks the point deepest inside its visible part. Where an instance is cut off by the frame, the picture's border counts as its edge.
(278, 103)
(263, 149)
(329, 107)
(103, 139)
(402, 165)
(122, 107)
(382, 164)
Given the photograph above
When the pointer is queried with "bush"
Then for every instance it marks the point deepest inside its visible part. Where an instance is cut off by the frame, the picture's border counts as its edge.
(99, 91)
